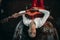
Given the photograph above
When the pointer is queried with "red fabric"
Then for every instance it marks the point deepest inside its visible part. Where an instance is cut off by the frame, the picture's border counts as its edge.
(33, 15)
(42, 4)
(36, 3)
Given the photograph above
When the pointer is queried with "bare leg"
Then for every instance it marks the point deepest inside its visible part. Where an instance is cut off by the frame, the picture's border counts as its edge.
(32, 29)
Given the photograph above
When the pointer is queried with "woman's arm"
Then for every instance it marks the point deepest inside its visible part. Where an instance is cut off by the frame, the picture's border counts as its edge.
(45, 17)
(15, 15)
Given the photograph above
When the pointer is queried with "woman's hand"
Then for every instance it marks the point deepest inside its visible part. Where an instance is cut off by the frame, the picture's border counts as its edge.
(15, 15)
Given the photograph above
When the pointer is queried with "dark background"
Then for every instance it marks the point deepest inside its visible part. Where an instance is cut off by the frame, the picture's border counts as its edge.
(9, 7)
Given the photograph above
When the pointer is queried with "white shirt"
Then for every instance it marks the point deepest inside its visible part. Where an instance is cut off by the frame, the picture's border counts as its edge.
(38, 21)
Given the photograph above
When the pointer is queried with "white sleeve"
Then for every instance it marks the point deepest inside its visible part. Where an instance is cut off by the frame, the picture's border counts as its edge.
(21, 12)
(45, 17)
